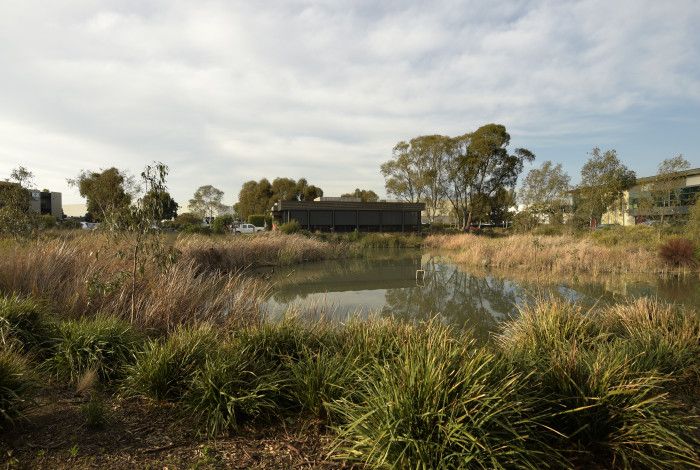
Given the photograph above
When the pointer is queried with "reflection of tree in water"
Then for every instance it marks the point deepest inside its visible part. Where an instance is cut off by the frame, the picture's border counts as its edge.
(456, 296)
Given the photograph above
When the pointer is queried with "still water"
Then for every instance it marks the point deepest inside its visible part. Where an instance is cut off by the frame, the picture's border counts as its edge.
(385, 284)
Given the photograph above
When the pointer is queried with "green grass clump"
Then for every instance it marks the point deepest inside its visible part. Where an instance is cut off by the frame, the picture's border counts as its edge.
(103, 344)
(164, 369)
(26, 323)
(318, 378)
(441, 402)
(232, 388)
(16, 385)
(597, 401)
(659, 337)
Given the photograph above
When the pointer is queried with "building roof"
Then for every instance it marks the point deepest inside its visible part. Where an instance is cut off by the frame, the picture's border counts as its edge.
(348, 205)
(679, 174)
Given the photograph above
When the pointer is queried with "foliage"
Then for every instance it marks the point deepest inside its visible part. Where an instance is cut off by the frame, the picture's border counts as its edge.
(290, 227)
(46, 221)
(365, 195)
(604, 178)
(545, 190)
(663, 195)
(107, 191)
(22, 176)
(16, 216)
(187, 218)
(260, 220)
(678, 252)
(206, 201)
(257, 197)
(103, 344)
(24, 322)
(17, 382)
(163, 204)
(222, 223)
(232, 388)
(164, 369)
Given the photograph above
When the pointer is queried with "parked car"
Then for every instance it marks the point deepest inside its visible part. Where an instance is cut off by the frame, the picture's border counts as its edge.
(248, 228)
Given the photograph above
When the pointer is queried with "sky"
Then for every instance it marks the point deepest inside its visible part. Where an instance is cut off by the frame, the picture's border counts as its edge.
(227, 91)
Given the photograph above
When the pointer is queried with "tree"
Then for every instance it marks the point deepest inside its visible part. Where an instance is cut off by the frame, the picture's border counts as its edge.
(488, 168)
(106, 191)
(666, 188)
(166, 205)
(206, 201)
(365, 195)
(401, 174)
(258, 197)
(22, 176)
(604, 178)
(16, 216)
(545, 191)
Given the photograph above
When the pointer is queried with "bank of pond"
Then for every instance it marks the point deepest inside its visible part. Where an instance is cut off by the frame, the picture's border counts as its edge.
(558, 386)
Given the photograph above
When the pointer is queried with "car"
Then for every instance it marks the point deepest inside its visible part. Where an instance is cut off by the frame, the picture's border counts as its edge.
(248, 228)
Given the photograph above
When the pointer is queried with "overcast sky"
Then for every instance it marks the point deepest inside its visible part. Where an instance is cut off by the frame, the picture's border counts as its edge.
(226, 91)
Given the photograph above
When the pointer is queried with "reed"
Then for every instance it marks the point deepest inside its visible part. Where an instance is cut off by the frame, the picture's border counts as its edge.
(556, 255)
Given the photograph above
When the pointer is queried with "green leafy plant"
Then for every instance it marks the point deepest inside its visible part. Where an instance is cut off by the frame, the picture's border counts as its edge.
(17, 383)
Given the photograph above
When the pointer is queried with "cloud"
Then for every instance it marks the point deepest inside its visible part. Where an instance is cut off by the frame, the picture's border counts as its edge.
(229, 91)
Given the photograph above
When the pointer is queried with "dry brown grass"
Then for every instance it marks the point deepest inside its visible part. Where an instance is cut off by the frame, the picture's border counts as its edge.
(82, 275)
(236, 252)
(548, 255)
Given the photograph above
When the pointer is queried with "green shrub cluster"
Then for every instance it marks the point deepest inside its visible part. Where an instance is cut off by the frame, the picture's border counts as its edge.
(290, 227)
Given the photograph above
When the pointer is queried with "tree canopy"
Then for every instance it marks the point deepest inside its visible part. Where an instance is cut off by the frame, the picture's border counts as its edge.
(106, 191)
(604, 178)
(207, 201)
(545, 189)
(258, 197)
(365, 195)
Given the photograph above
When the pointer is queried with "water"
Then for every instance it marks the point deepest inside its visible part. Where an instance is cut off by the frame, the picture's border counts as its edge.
(385, 283)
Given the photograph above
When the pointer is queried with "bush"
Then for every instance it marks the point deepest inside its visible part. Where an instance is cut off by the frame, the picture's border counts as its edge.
(69, 224)
(103, 344)
(524, 222)
(186, 219)
(678, 252)
(290, 227)
(232, 388)
(222, 224)
(46, 221)
(26, 322)
(16, 385)
(260, 220)
(165, 369)
(441, 403)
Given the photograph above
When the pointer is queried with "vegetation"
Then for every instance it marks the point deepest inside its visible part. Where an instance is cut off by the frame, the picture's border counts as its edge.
(559, 387)
(559, 254)
(206, 201)
(106, 191)
(256, 197)
(364, 195)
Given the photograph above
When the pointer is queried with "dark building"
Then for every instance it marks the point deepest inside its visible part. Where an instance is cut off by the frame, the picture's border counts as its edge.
(348, 214)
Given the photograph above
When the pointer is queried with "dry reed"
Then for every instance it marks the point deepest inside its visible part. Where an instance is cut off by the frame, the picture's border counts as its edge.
(552, 255)
(81, 276)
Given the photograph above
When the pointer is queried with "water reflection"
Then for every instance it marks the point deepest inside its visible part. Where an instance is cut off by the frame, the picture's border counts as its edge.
(386, 283)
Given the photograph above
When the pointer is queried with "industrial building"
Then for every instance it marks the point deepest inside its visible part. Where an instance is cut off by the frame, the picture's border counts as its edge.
(335, 214)
(41, 202)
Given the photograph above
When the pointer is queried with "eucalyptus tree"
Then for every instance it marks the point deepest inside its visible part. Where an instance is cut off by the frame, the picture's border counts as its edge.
(545, 191)
(364, 195)
(604, 179)
(206, 201)
(106, 191)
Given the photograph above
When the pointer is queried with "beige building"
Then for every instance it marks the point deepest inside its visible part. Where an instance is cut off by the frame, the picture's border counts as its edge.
(640, 204)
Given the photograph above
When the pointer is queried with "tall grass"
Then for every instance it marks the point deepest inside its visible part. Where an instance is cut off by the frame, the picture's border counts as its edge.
(83, 275)
(102, 344)
(550, 255)
(236, 252)
(17, 382)
(25, 323)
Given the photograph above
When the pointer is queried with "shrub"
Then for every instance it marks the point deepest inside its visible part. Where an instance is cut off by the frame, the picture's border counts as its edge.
(26, 322)
(232, 388)
(222, 224)
(260, 220)
(318, 378)
(678, 252)
(16, 385)
(524, 222)
(105, 344)
(69, 224)
(165, 369)
(95, 412)
(290, 227)
(441, 403)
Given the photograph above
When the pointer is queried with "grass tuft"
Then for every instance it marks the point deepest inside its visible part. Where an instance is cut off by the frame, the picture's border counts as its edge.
(17, 383)
(26, 323)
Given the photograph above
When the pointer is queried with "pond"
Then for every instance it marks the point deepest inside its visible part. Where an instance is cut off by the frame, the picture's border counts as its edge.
(385, 283)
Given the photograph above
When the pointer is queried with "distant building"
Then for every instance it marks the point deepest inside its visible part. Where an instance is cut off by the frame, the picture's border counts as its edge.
(638, 205)
(43, 202)
(47, 202)
(349, 214)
